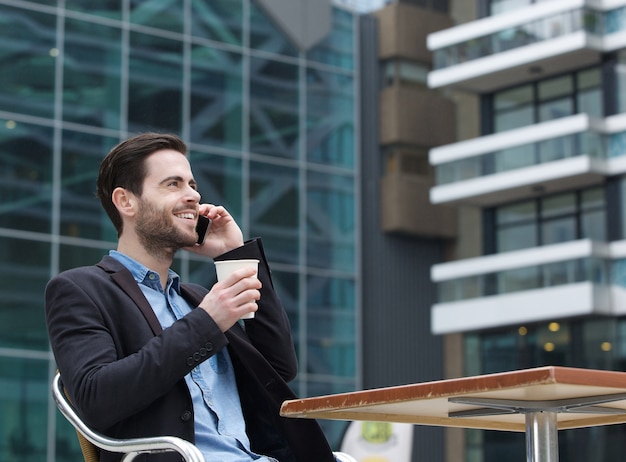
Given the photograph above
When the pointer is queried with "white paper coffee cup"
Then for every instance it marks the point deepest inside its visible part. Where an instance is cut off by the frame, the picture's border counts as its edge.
(224, 268)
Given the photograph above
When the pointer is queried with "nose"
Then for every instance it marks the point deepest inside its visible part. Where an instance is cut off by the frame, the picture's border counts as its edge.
(193, 195)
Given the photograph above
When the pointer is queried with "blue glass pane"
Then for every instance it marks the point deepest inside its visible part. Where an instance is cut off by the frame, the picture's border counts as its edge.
(24, 410)
(25, 176)
(338, 48)
(274, 210)
(331, 326)
(100, 8)
(155, 84)
(219, 20)
(27, 59)
(216, 97)
(23, 277)
(91, 74)
(330, 222)
(266, 36)
(274, 101)
(160, 14)
(81, 212)
(330, 118)
(219, 180)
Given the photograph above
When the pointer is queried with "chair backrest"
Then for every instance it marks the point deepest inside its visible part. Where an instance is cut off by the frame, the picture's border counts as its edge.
(90, 440)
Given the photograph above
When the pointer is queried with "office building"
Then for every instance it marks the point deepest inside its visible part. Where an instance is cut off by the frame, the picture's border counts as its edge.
(538, 175)
(270, 113)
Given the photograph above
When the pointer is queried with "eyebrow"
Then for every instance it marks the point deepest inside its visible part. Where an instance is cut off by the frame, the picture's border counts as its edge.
(178, 178)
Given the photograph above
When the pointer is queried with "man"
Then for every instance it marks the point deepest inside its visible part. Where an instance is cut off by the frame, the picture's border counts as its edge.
(142, 354)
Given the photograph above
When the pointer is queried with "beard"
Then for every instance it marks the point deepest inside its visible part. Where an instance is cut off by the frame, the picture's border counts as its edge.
(158, 233)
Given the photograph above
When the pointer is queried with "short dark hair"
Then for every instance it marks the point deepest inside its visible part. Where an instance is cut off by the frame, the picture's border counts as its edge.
(124, 166)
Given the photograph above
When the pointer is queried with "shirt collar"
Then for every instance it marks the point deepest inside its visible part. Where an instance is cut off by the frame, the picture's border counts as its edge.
(144, 275)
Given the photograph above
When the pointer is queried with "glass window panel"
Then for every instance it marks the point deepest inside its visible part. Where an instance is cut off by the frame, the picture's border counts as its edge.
(24, 274)
(518, 237)
(160, 14)
(330, 118)
(274, 210)
(331, 325)
(508, 120)
(24, 409)
(337, 48)
(274, 108)
(219, 180)
(558, 230)
(25, 176)
(558, 148)
(66, 442)
(558, 205)
(81, 212)
(101, 8)
(155, 84)
(620, 76)
(91, 74)
(27, 59)
(513, 158)
(219, 20)
(330, 221)
(519, 96)
(518, 279)
(523, 211)
(556, 109)
(592, 198)
(73, 256)
(266, 36)
(555, 88)
(216, 97)
(593, 224)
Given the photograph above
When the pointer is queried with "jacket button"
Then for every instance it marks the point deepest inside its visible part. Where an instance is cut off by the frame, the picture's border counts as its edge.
(203, 351)
(196, 356)
(186, 416)
(209, 346)
(190, 361)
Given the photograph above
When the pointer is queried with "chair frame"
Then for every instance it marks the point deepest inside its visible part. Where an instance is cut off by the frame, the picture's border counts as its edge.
(130, 447)
(134, 446)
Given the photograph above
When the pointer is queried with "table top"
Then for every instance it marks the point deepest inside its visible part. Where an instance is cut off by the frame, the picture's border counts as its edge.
(432, 403)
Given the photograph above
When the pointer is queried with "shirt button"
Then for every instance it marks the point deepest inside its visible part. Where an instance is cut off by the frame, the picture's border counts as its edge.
(185, 416)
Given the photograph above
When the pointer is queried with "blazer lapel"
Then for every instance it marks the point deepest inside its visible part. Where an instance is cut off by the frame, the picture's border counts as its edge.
(125, 280)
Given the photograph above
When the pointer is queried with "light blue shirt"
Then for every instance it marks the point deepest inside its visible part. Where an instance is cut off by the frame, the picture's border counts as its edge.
(219, 425)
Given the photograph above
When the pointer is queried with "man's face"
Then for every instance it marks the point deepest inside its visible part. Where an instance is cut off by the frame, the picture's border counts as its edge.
(168, 206)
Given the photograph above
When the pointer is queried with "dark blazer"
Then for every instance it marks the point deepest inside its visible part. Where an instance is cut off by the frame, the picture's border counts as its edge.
(125, 374)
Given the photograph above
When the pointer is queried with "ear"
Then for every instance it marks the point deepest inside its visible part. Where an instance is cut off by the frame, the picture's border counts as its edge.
(125, 201)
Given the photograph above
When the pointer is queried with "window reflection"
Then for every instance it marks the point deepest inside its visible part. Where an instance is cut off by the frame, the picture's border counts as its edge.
(330, 222)
(216, 97)
(25, 176)
(27, 61)
(81, 212)
(330, 120)
(155, 84)
(274, 210)
(91, 74)
(274, 102)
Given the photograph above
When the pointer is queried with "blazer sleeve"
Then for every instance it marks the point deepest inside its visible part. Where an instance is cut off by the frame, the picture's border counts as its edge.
(269, 331)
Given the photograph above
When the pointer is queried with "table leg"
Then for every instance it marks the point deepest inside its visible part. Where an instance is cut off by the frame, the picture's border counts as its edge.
(542, 444)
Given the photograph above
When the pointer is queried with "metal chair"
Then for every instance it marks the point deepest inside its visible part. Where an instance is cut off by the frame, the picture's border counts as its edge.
(91, 440)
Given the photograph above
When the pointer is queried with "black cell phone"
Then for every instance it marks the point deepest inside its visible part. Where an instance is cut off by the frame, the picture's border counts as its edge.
(201, 227)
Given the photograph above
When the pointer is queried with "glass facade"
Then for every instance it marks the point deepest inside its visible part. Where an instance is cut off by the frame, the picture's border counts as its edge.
(272, 135)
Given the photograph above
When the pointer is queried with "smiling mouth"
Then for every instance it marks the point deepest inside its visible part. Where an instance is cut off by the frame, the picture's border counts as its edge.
(186, 216)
